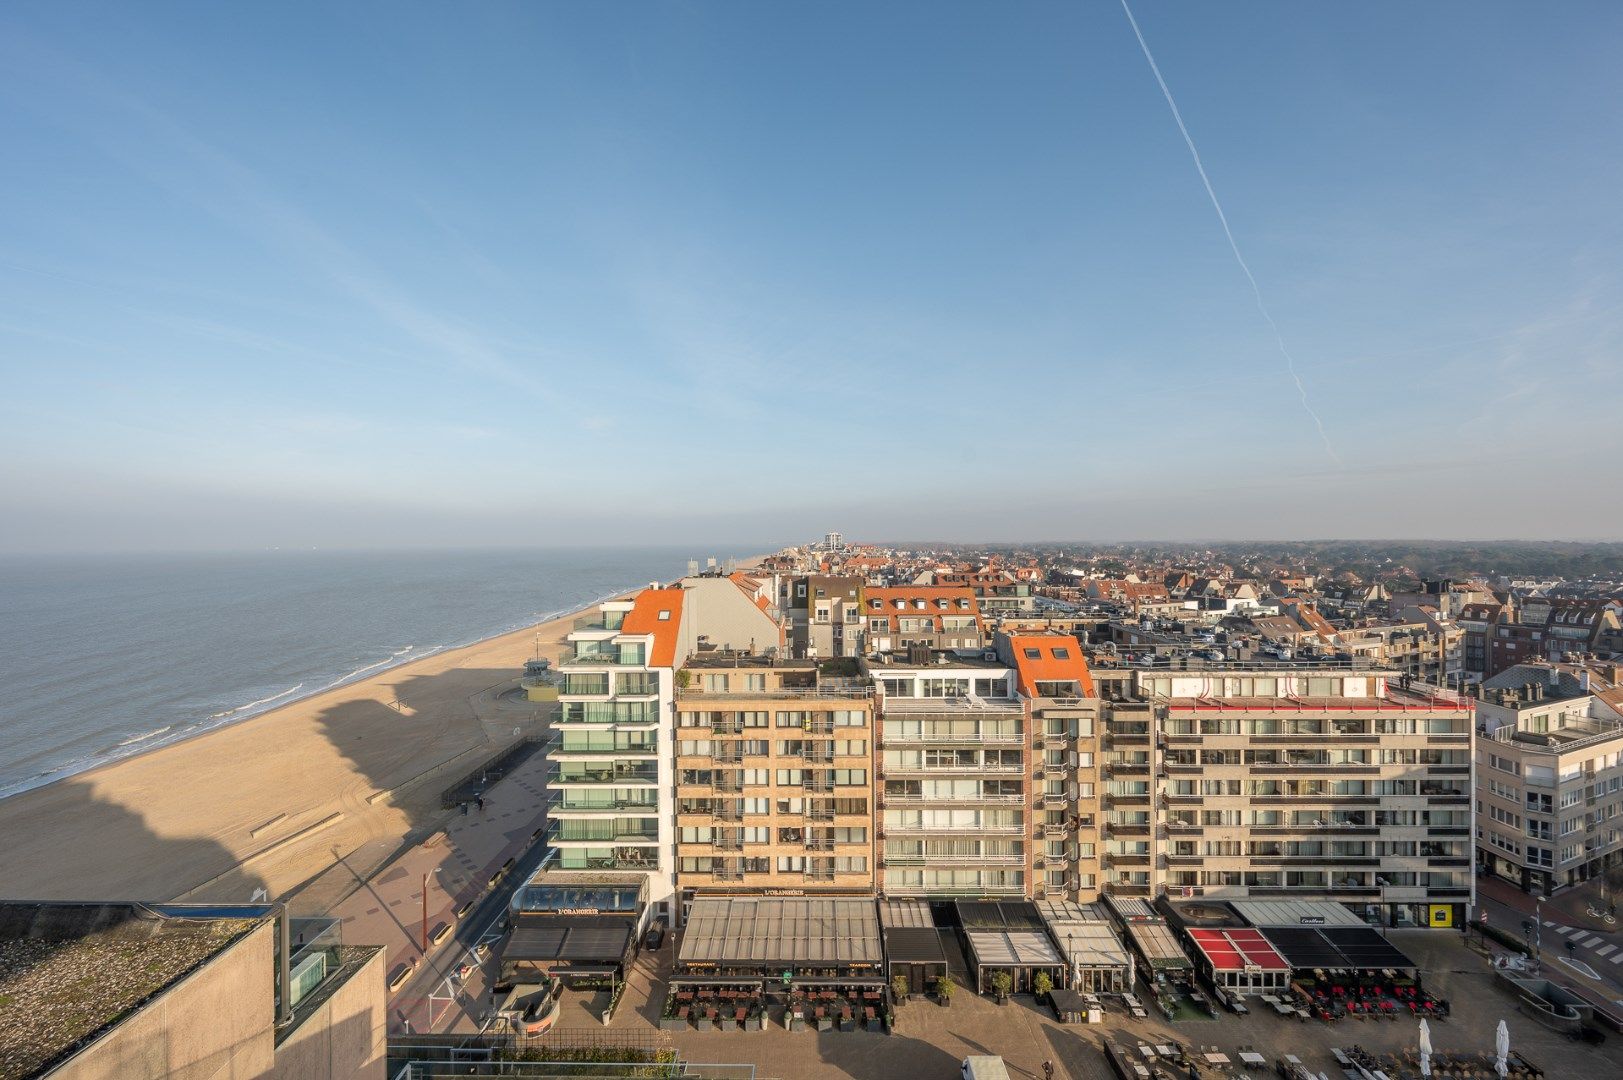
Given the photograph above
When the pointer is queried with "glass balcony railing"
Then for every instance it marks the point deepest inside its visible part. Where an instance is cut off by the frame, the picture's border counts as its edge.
(631, 831)
(579, 745)
(588, 652)
(580, 774)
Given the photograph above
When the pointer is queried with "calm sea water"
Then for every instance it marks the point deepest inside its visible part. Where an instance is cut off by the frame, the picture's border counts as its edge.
(105, 657)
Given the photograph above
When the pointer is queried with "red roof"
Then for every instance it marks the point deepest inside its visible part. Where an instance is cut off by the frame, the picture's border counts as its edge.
(1045, 666)
(1233, 949)
(657, 612)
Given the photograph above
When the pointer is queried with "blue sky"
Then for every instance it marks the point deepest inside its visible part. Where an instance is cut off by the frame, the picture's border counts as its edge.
(414, 274)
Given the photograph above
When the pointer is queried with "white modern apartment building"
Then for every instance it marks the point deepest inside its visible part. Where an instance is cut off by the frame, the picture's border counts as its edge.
(611, 806)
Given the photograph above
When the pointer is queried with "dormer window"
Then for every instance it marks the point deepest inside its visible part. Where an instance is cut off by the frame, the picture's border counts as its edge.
(876, 603)
(920, 604)
(901, 605)
(963, 603)
(941, 604)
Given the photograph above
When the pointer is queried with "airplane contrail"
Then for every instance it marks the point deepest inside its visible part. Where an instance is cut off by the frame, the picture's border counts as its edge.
(1290, 362)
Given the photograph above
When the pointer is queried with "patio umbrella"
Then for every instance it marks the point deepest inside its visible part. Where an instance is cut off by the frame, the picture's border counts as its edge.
(1501, 1050)
(1425, 1047)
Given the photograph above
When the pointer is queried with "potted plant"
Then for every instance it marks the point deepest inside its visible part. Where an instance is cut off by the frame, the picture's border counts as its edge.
(899, 988)
(753, 1019)
(943, 990)
(1002, 985)
(1041, 984)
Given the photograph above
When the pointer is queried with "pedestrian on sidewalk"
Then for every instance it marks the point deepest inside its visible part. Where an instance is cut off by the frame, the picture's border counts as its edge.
(481, 804)
(1048, 1070)
(464, 807)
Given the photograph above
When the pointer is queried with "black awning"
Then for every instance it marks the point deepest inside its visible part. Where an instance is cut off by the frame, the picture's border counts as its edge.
(914, 945)
(1304, 947)
(539, 944)
(1366, 948)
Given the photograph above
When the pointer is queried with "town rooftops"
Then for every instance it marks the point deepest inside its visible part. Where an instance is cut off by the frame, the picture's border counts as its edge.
(915, 601)
(72, 970)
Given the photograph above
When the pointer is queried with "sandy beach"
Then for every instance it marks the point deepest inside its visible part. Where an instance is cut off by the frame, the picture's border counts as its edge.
(272, 801)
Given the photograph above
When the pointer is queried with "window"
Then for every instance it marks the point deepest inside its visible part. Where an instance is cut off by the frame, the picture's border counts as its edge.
(665, 615)
(1061, 654)
(1034, 654)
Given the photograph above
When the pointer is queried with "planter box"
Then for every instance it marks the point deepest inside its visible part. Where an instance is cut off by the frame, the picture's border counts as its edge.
(729, 1024)
(704, 1025)
(752, 1023)
(876, 1024)
(825, 1024)
(797, 1024)
(848, 1023)
(672, 1023)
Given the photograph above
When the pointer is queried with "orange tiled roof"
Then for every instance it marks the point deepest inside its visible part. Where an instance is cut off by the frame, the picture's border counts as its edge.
(1047, 667)
(929, 594)
(644, 618)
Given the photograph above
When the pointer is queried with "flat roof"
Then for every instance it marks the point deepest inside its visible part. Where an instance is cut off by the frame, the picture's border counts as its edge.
(994, 915)
(1147, 930)
(587, 942)
(1083, 934)
(73, 970)
(896, 914)
(776, 931)
(1271, 913)
(1337, 948)
(1013, 948)
(1236, 949)
(914, 945)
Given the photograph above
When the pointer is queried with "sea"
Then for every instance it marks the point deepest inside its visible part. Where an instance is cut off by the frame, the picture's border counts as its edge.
(102, 657)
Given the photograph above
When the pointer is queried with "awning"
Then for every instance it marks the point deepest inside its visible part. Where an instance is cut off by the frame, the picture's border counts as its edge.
(562, 942)
(1013, 948)
(910, 945)
(775, 932)
(1237, 949)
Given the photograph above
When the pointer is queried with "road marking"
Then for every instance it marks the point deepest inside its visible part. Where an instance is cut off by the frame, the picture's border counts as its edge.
(1563, 930)
(1581, 938)
(1603, 950)
(1547, 922)
(1618, 959)
(1581, 968)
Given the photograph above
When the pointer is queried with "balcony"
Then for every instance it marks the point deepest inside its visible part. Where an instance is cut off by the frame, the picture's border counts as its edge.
(591, 832)
(572, 859)
(970, 738)
(600, 748)
(556, 777)
(910, 799)
(618, 806)
(576, 656)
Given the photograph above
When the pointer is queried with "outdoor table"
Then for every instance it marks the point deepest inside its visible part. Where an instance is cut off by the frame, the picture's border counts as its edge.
(1283, 1010)
(1217, 1059)
(1166, 1051)
(1148, 1052)
(1255, 1061)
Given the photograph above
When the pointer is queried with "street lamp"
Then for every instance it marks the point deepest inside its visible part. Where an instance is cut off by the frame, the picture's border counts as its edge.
(426, 874)
(1538, 932)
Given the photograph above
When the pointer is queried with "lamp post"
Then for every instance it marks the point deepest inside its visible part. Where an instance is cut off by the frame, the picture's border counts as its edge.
(426, 875)
(1538, 933)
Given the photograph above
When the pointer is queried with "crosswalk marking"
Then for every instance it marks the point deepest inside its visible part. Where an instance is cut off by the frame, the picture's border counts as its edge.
(1603, 950)
(1618, 959)
(1547, 922)
(1581, 938)
(1565, 930)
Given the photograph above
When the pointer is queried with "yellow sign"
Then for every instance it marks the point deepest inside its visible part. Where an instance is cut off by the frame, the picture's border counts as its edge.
(1440, 915)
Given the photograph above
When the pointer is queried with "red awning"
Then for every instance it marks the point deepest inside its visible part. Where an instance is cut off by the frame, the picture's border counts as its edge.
(1236, 949)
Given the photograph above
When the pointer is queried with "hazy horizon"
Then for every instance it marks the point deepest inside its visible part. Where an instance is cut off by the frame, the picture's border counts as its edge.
(399, 276)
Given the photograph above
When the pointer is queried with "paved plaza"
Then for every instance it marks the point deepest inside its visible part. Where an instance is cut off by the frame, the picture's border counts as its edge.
(930, 1040)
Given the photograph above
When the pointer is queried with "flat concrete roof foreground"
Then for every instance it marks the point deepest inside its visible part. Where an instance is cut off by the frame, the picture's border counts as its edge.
(72, 969)
(772, 931)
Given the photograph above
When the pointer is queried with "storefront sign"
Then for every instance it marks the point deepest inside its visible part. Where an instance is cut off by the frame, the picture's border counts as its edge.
(1440, 915)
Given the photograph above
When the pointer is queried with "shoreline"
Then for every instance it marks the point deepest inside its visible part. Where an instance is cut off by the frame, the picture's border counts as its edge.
(202, 729)
(321, 784)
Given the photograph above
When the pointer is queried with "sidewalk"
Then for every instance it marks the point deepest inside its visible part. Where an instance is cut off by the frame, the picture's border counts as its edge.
(459, 861)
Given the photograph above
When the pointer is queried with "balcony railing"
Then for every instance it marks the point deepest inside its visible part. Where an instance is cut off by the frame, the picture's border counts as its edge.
(909, 798)
(556, 776)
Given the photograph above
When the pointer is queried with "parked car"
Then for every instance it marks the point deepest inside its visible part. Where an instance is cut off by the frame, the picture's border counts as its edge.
(654, 937)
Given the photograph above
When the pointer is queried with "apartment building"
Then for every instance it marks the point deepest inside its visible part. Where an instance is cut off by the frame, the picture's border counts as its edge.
(825, 615)
(611, 775)
(1549, 779)
(1052, 677)
(609, 772)
(1298, 782)
(774, 777)
(933, 617)
(957, 776)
